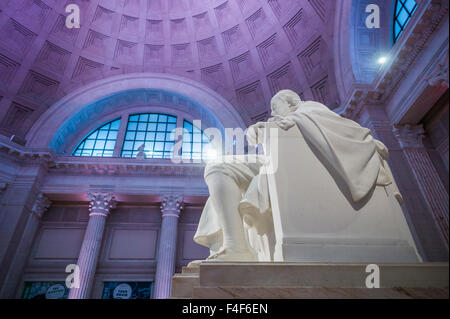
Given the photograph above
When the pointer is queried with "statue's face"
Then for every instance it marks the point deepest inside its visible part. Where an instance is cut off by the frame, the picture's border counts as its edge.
(280, 107)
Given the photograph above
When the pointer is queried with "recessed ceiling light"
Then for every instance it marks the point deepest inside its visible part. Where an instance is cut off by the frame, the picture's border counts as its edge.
(382, 60)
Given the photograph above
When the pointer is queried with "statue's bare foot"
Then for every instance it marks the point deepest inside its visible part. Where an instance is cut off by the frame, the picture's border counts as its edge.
(195, 263)
(227, 254)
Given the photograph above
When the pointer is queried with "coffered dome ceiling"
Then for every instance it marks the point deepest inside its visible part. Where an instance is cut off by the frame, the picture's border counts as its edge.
(245, 50)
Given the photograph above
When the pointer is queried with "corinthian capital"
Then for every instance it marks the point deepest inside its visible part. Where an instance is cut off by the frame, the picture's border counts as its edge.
(101, 204)
(409, 136)
(171, 205)
(41, 205)
(440, 74)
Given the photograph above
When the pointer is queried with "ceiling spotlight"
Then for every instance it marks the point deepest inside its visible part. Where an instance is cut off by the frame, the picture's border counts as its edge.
(382, 60)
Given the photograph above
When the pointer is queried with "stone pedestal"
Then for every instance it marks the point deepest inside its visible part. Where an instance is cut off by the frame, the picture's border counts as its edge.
(315, 219)
(213, 280)
(101, 204)
(165, 269)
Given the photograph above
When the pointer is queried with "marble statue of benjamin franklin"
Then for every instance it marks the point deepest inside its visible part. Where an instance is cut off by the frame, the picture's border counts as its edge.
(238, 189)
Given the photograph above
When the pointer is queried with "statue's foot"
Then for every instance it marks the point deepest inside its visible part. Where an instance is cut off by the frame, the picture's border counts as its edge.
(227, 254)
(195, 263)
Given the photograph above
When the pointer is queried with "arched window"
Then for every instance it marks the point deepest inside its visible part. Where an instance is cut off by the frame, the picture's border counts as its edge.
(404, 9)
(101, 142)
(154, 131)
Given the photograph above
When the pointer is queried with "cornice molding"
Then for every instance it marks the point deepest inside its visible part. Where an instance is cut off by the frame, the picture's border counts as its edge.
(100, 166)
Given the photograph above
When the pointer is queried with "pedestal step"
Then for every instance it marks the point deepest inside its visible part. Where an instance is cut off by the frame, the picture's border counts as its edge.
(312, 281)
(182, 284)
(317, 293)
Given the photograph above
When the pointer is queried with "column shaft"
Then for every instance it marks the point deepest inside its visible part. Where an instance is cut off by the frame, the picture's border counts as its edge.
(430, 185)
(410, 138)
(101, 204)
(88, 258)
(166, 258)
(165, 268)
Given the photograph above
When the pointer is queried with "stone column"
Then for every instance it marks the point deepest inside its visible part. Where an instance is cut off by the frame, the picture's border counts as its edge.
(411, 141)
(99, 208)
(15, 271)
(165, 268)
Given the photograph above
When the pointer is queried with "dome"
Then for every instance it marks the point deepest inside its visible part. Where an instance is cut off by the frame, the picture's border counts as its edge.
(245, 50)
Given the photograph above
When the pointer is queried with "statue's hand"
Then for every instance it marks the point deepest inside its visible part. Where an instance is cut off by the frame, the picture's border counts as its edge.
(255, 133)
(284, 123)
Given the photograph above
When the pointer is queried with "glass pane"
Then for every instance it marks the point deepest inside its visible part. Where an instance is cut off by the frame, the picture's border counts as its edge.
(103, 138)
(93, 135)
(410, 5)
(171, 127)
(143, 118)
(110, 145)
(152, 127)
(197, 138)
(142, 127)
(130, 136)
(134, 118)
(151, 130)
(162, 127)
(89, 144)
(128, 146)
(169, 147)
(150, 136)
(102, 135)
(195, 142)
(160, 137)
(197, 147)
(140, 136)
(403, 13)
(132, 126)
(100, 145)
(159, 146)
(115, 125)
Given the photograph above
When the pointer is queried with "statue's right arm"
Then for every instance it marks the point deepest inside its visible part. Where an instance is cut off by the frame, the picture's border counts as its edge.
(255, 133)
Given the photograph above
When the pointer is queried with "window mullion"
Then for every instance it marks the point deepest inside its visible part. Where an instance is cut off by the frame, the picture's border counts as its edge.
(179, 139)
(121, 136)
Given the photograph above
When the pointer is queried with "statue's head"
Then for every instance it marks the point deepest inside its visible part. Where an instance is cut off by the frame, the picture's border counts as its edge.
(285, 102)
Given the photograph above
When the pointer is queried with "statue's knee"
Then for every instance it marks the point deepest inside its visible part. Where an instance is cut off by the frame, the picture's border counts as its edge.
(215, 169)
(219, 182)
